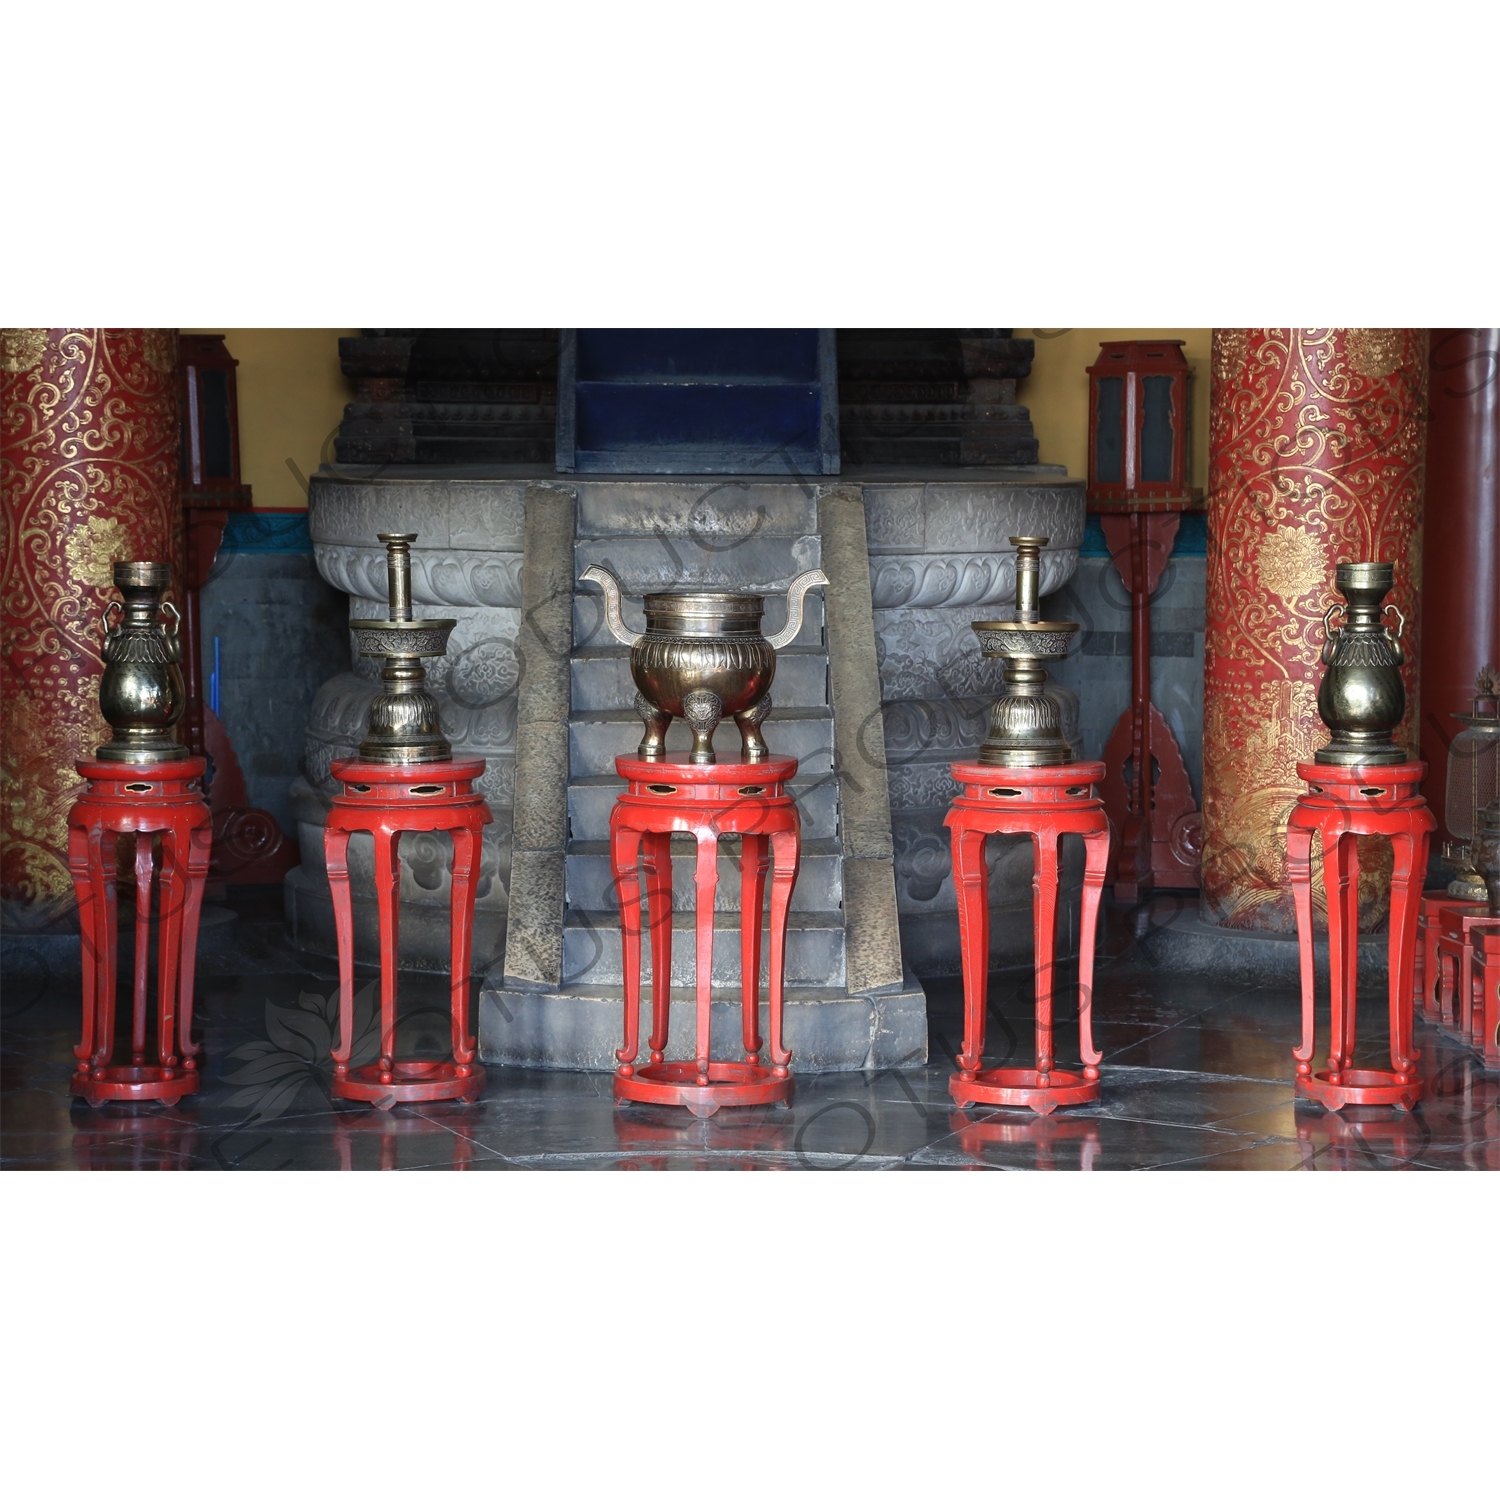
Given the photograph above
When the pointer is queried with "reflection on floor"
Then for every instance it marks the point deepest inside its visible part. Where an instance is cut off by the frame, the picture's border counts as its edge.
(1197, 1074)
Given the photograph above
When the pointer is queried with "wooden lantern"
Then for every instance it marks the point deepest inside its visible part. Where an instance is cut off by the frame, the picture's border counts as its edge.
(1138, 421)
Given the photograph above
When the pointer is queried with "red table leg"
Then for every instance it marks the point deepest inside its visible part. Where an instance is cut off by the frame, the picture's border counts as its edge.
(1299, 837)
(786, 848)
(754, 863)
(144, 871)
(1045, 802)
(657, 863)
(971, 879)
(388, 915)
(466, 846)
(706, 880)
(1096, 865)
(336, 860)
(1406, 893)
(624, 853)
(200, 853)
(706, 801)
(144, 801)
(386, 801)
(1340, 802)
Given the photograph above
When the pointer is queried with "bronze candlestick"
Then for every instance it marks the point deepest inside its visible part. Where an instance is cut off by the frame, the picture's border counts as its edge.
(403, 724)
(141, 693)
(1025, 725)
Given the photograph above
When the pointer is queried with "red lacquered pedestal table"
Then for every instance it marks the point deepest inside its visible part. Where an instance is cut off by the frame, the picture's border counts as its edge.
(663, 797)
(160, 799)
(1462, 926)
(1341, 801)
(387, 801)
(1426, 987)
(1486, 963)
(1045, 802)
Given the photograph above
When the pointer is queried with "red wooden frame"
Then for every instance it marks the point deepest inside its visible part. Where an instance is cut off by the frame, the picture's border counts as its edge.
(1341, 801)
(674, 796)
(1046, 802)
(144, 800)
(387, 801)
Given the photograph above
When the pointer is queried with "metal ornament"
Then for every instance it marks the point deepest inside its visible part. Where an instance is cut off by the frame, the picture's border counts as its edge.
(1473, 784)
(1026, 724)
(1362, 698)
(403, 724)
(702, 658)
(141, 693)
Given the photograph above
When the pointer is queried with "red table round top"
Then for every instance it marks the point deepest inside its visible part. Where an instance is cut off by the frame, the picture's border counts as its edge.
(428, 770)
(972, 773)
(1401, 773)
(164, 770)
(678, 770)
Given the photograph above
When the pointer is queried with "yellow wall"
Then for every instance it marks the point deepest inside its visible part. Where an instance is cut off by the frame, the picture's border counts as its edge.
(1057, 391)
(291, 398)
(292, 395)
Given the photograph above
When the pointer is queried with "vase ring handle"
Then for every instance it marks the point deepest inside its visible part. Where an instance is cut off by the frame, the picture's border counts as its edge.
(112, 627)
(176, 618)
(1400, 619)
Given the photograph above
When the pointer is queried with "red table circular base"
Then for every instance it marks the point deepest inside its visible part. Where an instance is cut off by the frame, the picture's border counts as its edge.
(410, 1083)
(123, 1084)
(728, 1083)
(1020, 1087)
(1360, 1086)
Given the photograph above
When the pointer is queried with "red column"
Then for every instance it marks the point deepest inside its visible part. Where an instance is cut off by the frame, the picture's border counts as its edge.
(89, 460)
(1461, 555)
(1315, 458)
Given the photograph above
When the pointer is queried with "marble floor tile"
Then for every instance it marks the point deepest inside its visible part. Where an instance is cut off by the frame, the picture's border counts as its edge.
(1198, 1075)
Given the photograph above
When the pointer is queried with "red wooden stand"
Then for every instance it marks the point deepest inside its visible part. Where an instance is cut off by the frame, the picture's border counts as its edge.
(387, 801)
(674, 796)
(1146, 788)
(1485, 1035)
(1046, 802)
(142, 800)
(1426, 989)
(1341, 801)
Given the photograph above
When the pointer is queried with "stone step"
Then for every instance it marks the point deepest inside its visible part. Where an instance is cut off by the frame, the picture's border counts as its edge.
(591, 884)
(676, 564)
(825, 1029)
(596, 737)
(591, 799)
(601, 678)
(814, 949)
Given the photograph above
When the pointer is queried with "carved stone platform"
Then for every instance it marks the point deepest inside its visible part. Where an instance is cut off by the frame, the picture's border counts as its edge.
(913, 555)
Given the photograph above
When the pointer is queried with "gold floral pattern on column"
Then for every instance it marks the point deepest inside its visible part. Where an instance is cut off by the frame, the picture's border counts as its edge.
(1316, 451)
(89, 463)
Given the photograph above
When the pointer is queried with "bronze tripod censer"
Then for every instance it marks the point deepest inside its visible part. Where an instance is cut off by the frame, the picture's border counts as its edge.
(702, 658)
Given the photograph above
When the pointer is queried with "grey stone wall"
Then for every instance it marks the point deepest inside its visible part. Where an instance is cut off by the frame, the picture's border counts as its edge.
(281, 636)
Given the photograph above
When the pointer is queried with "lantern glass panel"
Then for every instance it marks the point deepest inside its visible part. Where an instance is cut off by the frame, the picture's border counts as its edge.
(1156, 430)
(1109, 432)
(213, 419)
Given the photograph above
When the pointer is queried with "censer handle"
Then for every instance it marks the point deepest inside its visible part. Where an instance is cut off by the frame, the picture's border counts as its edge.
(612, 616)
(794, 597)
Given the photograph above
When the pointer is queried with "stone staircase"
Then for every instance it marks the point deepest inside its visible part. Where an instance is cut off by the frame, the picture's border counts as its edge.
(658, 534)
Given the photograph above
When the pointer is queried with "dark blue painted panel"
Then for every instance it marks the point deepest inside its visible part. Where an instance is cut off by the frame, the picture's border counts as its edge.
(266, 531)
(715, 354)
(667, 416)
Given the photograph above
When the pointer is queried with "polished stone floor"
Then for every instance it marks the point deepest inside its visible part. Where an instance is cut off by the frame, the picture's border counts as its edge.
(1197, 1075)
